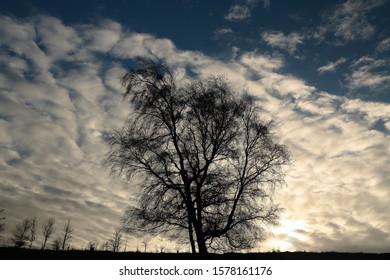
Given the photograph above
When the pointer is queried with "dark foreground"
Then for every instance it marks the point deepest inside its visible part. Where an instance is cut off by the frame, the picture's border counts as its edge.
(26, 254)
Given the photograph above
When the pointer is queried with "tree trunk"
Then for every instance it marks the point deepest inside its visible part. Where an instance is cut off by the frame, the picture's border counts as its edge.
(202, 249)
(191, 235)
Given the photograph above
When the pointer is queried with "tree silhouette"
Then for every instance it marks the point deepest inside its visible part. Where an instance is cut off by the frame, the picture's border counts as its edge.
(145, 242)
(47, 230)
(20, 234)
(56, 244)
(2, 225)
(67, 235)
(32, 231)
(204, 163)
(105, 246)
(125, 248)
(116, 242)
(92, 246)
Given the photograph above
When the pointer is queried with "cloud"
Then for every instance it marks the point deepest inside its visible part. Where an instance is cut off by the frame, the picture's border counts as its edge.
(336, 143)
(261, 63)
(57, 106)
(369, 72)
(277, 39)
(52, 122)
(54, 38)
(103, 37)
(266, 3)
(369, 113)
(22, 42)
(331, 66)
(238, 12)
(383, 45)
(225, 36)
(243, 11)
(222, 33)
(349, 21)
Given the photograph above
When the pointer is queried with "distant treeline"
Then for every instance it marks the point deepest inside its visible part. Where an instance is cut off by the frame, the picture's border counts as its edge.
(26, 234)
(12, 253)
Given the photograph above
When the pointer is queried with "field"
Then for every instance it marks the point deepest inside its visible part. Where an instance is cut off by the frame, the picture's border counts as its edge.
(26, 254)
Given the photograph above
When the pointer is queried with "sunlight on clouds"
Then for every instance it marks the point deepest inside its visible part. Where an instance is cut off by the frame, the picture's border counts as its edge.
(369, 72)
(331, 66)
(292, 229)
(59, 100)
(261, 63)
(137, 44)
(50, 119)
(367, 112)
(85, 81)
(288, 42)
(285, 85)
(286, 236)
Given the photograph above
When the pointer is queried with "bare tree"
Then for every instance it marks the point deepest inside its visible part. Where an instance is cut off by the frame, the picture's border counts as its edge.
(67, 235)
(178, 248)
(92, 246)
(20, 234)
(116, 242)
(203, 161)
(145, 242)
(32, 231)
(2, 225)
(56, 245)
(2, 228)
(47, 230)
(105, 246)
(162, 248)
(125, 247)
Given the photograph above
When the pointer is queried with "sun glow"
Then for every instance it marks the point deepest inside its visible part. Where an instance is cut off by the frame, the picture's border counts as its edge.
(288, 234)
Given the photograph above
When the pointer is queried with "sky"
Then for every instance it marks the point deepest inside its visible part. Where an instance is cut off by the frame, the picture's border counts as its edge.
(319, 69)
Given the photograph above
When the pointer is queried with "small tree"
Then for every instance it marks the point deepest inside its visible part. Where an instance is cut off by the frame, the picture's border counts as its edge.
(145, 242)
(116, 242)
(2, 228)
(92, 246)
(125, 247)
(20, 234)
(56, 245)
(33, 231)
(162, 248)
(67, 235)
(105, 246)
(2, 225)
(47, 230)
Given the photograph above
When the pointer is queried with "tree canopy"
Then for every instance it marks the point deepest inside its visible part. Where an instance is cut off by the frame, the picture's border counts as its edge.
(204, 164)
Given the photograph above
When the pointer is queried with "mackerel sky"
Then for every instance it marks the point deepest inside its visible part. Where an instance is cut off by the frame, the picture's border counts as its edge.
(319, 69)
